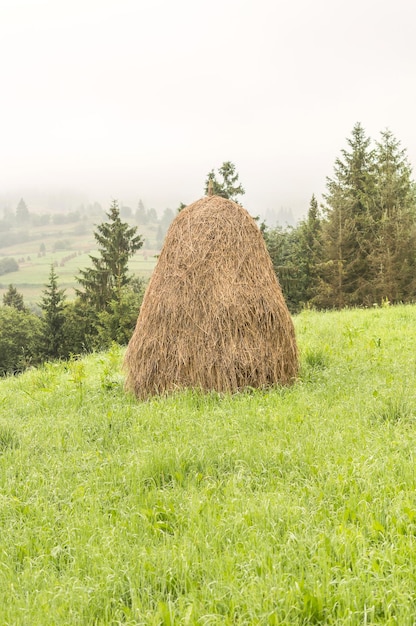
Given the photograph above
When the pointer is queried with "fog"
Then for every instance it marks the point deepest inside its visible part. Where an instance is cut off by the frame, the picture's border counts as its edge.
(132, 99)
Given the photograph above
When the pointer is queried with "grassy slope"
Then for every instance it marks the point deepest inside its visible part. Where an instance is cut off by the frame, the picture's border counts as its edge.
(33, 273)
(293, 506)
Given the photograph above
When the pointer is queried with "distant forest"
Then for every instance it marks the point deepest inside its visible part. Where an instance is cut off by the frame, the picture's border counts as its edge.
(16, 224)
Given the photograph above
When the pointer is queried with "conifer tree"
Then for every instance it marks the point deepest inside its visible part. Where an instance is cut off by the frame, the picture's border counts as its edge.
(310, 251)
(22, 212)
(52, 305)
(393, 255)
(347, 228)
(13, 298)
(229, 187)
(104, 281)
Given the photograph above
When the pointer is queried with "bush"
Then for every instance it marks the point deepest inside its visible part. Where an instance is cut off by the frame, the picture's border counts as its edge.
(8, 265)
(20, 337)
(62, 244)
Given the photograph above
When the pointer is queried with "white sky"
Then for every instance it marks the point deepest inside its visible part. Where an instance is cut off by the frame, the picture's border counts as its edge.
(134, 99)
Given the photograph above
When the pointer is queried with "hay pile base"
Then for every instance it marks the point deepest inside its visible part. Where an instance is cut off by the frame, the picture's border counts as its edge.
(213, 316)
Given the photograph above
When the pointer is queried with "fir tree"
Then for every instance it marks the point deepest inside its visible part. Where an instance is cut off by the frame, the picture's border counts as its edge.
(52, 305)
(347, 229)
(229, 187)
(393, 256)
(22, 212)
(310, 251)
(104, 281)
(13, 298)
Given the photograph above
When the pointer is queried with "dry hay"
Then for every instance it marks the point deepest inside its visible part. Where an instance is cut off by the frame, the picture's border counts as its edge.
(213, 316)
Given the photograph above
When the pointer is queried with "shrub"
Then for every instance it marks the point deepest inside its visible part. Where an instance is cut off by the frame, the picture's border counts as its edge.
(8, 265)
(20, 336)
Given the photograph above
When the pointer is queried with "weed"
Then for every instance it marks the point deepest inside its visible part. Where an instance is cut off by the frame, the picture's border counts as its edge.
(394, 409)
(8, 438)
(78, 377)
(111, 363)
(317, 359)
(314, 362)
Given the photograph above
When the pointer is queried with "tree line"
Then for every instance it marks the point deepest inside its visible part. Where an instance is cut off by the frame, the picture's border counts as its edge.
(15, 226)
(359, 247)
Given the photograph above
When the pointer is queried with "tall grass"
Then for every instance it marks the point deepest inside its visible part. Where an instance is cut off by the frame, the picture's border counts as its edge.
(288, 506)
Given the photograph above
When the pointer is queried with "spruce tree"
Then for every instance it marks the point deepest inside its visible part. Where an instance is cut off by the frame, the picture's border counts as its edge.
(229, 187)
(52, 305)
(104, 281)
(22, 212)
(310, 251)
(393, 256)
(13, 298)
(345, 275)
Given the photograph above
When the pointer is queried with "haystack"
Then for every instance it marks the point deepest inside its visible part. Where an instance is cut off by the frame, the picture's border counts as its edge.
(213, 316)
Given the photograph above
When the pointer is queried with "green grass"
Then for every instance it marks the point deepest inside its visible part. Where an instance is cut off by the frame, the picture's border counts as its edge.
(291, 506)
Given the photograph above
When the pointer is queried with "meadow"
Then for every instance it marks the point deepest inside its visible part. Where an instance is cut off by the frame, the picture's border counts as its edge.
(68, 247)
(284, 506)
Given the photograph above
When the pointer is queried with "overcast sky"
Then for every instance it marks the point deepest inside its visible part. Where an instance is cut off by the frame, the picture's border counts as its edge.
(133, 99)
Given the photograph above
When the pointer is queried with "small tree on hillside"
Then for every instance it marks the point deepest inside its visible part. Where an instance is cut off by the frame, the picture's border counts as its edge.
(52, 305)
(310, 250)
(105, 307)
(104, 281)
(22, 212)
(228, 186)
(13, 298)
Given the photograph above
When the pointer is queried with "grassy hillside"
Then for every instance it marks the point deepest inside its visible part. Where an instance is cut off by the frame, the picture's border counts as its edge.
(292, 506)
(69, 247)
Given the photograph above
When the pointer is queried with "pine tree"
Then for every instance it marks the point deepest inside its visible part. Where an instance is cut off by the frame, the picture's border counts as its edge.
(22, 212)
(393, 257)
(229, 187)
(13, 298)
(52, 305)
(345, 275)
(104, 281)
(310, 251)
